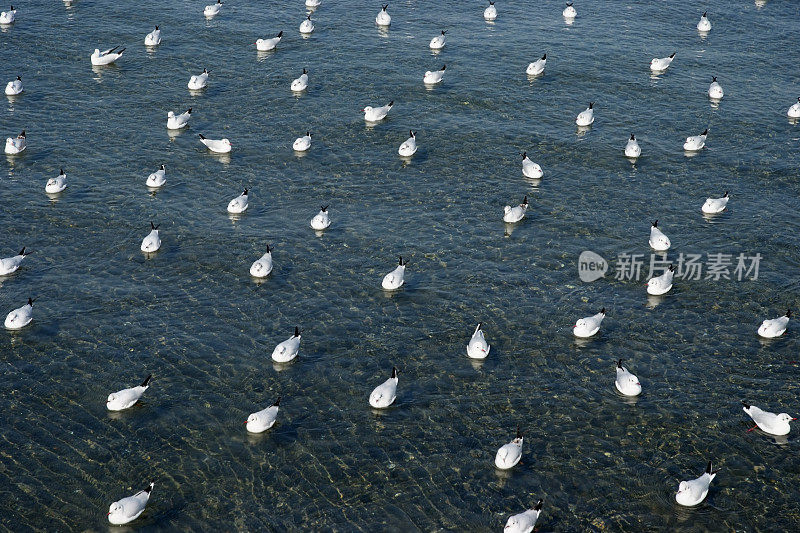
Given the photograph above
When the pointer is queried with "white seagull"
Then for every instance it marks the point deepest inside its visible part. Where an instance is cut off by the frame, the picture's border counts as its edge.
(8, 17)
(157, 178)
(301, 144)
(384, 394)
(661, 64)
(775, 327)
(128, 509)
(537, 67)
(715, 91)
(383, 18)
(287, 350)
(9, 265)
(478, 348)
(524, 522)
(662, 284)
(176, 122)
(490, 13)
(772, 423)
(658, 241)
(530, 169)
(375, 114)
(395, 279)
(152, 242)
(715, 205)
(220, 146)
(409, 146)
(632, 149)
(627, 383)
(590, 325)
(14, 87)
(307, 26)
(300, 84)
(569, 11)
(117, 401)
(153, 38)
(239, 204)
(264, 45)
(704, 24)
(438, 42)
(261, 421)
(694, 491)
(696, 143)
(794, 110)
(517, 213)
(321, 220)
(432, 77)
(586, 117)
(57, 184)
(509, 454)
(212, 9)
(15, 146)
(262, 266)
(106, 57)
(21, 316)
(199, 81)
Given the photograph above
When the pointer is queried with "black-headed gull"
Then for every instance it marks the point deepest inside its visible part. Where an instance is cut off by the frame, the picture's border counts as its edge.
(490, 13)
(152, 242)
(106, 57)
(199, 81)
(153, 38)
(794, 110)
(478, 348)
(9, 265)
(287, 350)
(128, 509)
(524, 522)
(661, 64)
(662, 284)
(586, 117)
(14, 87)
(715, 205)
(658, 241)
(176, 122)
(384, 394)
(438, 42)
(775, 327)
(262, 266)
(715, 91)
(772, 423)
(157, 178)
(265, 45)
(694, 491)
(239, 204)
(375, 114)
(627, 383)
(569, 11)
(537, 67)
(8, 17)
(433, 77)
(409, 146)
(18, 145)
(632, 149)
(508, 455)
(57, 184)
(301, 144)
(321, 220)
(704, 24)
(220, 146)
(530, 169)
(125, 398)
(395, 279)
(590, 325)
(696, 143)
(261, 421)
(307, 26)
(512, 215)
(212, 9)
(383, 18)
(21, 316)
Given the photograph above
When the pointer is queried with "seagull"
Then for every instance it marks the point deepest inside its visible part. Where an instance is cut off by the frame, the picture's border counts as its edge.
(409, 146)
(509, 454)
(696, 142)
(794, 111)
(569, 11)
(438, 42)
(586, 117)
(715, 205)
(9, 265)
(321, 220)
(632, 149)
(627, 383)
(307, 26)
(21, 316)
(211, 10)
(589, 326)
(261, 421)
(515, 214)
(128, 509)
(152, 242)
(490, 13)
(263, 265)
(117, 401)
(772, 423)
(199, 81)
(715, 89)
(537, 67)
(264, 45)
(524, 522)
(383, 18)
(220, 146)
(530, 169)
(15, 146)
(375, 114)
(300, 83)
(662, 284)
(14, 87)
(384, 394)
(694, 491)
(658, 241)
(775, 327)
(478, 348)
(153, 38)
(704, 24)
(239, 204)
(157, 179)
(301, 144)
(176, 122)
(395, 279)
(8, 17)
(287, 350)
(106, 57)
(57, 184)
(662, 64)
(313, 3)
(433, 77)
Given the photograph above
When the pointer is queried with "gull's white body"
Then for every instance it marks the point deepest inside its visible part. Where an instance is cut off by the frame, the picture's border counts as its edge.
(774, 328)
(239, 204)
(198, 82)
(569, 12)
(8, 17)
(394, 279)
(104, 58)
(772, 423)
(19, 317)
(432, 77)
(658, 241)
(715, 205)
(128, 509)
(523, 522)
(153, 38)
(117, 401)
(157, 178)
(585, 117)
(589, 326)
(662, 284)
(57, 184)
(515, 214)
(16, 145)
(300, 84)
(287, 350)
(261, 421)
(220, 146)
(9, 265)
(409, 146)
(490, 13)
(176, 122)
(265, 45)
(695, 143)
(383, 18)
(14, 87)
(715, 90)
(694, 491)
(632, 149)
(509, 454)
(374, 114)
(704, 24)
(661, 64)
(537, 67)
(438, 42)
(307, 26)
(530, 169)
(478, 348)
(212, 9)
(627, 383)
(384, 394)
(321, 220)
(794, 111)
(313, 3)
(262, 266)
(301, 144)
(152, 242)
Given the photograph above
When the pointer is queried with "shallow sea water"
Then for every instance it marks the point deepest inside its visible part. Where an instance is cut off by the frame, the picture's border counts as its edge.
(191, 315)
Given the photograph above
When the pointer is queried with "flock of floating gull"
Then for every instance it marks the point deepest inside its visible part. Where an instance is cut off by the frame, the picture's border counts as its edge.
(689, 493)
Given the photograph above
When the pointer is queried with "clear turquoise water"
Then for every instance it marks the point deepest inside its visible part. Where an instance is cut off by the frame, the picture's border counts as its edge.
(191, 315)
